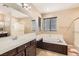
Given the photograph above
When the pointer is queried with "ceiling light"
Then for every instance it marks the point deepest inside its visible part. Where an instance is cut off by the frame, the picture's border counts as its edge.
(25, 5)
(47, 9)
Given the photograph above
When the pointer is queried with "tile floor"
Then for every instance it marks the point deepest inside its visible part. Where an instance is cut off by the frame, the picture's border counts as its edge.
(42, 52)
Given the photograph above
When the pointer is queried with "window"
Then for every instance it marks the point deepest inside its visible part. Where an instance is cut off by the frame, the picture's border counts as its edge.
(39, 23)
(50, 24)
(33, 25)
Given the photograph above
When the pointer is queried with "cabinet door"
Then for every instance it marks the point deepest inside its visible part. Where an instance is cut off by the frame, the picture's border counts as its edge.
(32, 50)
(21, 53)
(27, 51)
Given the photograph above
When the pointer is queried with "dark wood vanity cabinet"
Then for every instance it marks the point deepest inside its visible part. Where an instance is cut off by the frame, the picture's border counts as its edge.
(21, 53)
(28, 49)
(10, 53)
(31, 50)
(40, 43)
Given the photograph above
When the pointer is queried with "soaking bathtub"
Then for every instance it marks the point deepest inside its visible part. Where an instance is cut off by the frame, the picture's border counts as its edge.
(52, 42)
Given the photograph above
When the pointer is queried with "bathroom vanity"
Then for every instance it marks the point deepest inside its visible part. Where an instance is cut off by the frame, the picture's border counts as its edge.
(18, 46)
(27, 49)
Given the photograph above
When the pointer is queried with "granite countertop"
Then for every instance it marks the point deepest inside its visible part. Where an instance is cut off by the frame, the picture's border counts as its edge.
(11, 42)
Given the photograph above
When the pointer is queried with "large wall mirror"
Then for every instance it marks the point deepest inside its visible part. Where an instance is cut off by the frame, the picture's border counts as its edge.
(1, 22)
(13, 21)
(4, 25)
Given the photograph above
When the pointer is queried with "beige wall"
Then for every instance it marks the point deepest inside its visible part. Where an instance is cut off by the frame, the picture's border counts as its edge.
(76, 33)
(34, 13)
(64, 20)
(27, 24)
(1, 17)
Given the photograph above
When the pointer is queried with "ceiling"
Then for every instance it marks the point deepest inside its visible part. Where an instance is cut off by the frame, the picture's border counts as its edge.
(41, 7)
(13, 12)
(17, 14)
(52, 7)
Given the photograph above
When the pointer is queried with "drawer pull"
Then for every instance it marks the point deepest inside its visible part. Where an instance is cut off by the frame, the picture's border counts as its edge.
(25, 46)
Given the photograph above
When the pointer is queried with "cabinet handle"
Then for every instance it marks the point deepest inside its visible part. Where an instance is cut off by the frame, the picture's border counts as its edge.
(25, 46)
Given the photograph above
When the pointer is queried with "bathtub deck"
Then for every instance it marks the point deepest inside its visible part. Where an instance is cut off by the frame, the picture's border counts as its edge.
(52, 47)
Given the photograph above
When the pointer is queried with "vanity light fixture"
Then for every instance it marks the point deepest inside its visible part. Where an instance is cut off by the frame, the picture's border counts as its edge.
(25, 5)
(47, 9)
(5, 5)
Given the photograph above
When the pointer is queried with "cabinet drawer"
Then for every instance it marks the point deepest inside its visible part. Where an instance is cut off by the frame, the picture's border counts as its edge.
(32, 50)
(10, 53)
(33, 42)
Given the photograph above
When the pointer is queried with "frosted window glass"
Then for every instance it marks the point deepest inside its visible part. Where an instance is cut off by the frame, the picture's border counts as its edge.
(33, 25)
(53, 24)
(47, 23)
(50, 24)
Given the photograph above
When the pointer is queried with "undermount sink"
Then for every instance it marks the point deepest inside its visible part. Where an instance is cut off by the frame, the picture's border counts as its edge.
(60, 41)
(15, 38)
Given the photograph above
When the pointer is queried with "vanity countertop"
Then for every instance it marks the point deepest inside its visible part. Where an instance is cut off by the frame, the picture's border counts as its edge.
(11, 42)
